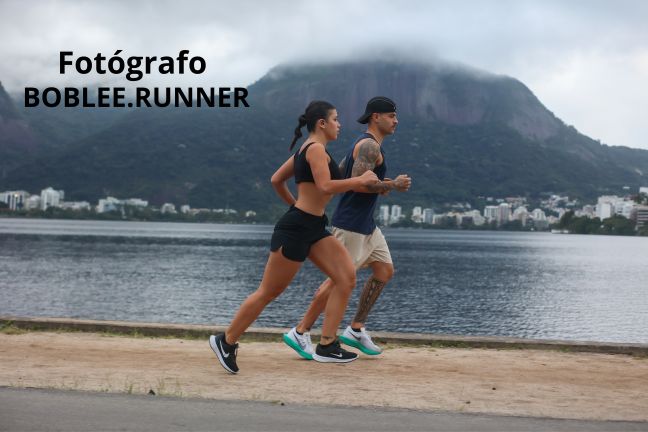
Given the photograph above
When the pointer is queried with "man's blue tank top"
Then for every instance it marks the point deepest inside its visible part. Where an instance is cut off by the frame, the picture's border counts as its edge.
(355, 210)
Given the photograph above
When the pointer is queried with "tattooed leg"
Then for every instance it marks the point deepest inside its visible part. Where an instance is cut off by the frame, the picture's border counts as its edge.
(325, 340)
(370, 294)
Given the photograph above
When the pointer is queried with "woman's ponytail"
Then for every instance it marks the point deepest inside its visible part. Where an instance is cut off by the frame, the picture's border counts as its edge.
(298, 134)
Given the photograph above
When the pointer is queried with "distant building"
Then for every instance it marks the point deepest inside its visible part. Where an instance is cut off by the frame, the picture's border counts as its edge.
(114, 204)
(417, 214)
(109, 204)
(538, 214)
(168, 208)
(250, 214)
(641, 215)
(521, 214)
(135, 202)
(625, 208)
(15, 200)
(428, 213)
(51, 198)
(185, 209)
(225, 211)
(606, 206)
(33, 202)
(396, 214)
(477, 218)
(604, 210)
(589, 211)
(643, 189)
(491, 213)
(516, 202)
(504, 214)
(540, 220)
(75, 205)
(383, 215)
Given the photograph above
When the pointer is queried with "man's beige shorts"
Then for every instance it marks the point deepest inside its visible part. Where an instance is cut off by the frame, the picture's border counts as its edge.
(364, 249)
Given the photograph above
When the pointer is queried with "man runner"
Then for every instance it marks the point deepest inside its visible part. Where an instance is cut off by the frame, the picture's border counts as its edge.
(354, 226)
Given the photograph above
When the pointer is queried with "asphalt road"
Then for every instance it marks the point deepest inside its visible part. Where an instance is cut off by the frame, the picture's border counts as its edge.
(54, 410)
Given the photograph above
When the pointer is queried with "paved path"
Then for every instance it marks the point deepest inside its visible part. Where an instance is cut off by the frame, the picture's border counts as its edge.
(54, 410)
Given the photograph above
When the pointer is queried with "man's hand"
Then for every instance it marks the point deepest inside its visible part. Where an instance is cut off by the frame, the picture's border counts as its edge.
(402, 183)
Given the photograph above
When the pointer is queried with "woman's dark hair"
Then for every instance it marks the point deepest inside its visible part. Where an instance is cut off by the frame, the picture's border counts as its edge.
(314, 111)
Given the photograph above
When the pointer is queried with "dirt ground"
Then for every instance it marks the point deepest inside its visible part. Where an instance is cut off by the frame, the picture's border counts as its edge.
(512, 382)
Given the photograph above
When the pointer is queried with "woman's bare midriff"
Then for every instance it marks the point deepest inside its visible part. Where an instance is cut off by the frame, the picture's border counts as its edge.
(311, 200)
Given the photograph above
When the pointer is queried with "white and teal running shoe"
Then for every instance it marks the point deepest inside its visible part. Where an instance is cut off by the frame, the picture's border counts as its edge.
(300, 343)
(360, 340)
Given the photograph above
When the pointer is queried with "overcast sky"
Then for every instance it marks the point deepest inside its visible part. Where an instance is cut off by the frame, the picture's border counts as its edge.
(587, 61)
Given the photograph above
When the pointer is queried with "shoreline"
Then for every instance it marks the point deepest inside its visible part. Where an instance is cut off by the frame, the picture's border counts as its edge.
(273, 334)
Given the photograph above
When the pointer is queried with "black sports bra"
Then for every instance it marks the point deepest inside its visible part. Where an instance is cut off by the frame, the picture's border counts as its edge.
(303, 172)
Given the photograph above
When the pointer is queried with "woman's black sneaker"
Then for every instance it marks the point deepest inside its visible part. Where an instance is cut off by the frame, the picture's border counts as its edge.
(333, 353)
(225, 352)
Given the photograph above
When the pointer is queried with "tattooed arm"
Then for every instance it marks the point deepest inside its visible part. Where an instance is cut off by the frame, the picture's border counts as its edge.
(368, 158)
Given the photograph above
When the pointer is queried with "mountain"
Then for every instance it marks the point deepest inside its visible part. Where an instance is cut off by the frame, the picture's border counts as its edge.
(18, 143)
(40, 132)
(462, 134)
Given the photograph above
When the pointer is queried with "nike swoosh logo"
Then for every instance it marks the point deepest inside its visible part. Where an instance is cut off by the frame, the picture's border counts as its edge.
(356, 337)
(336, 355)
(222, 350)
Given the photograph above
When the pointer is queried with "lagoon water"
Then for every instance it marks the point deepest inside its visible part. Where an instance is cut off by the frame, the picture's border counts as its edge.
(535, 285)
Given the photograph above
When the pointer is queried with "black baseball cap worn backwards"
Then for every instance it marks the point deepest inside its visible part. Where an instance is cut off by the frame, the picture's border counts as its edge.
(378, 104)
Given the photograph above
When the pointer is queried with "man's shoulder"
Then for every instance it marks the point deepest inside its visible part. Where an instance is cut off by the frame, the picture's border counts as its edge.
(367, 147)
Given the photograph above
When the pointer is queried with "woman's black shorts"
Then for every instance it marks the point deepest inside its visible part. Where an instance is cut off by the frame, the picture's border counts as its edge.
(296, 232)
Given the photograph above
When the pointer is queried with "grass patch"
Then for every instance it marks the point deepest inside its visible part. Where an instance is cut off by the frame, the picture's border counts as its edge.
(8, 328)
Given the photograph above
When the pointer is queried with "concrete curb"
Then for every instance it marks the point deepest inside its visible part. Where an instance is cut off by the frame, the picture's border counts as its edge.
(195, 331)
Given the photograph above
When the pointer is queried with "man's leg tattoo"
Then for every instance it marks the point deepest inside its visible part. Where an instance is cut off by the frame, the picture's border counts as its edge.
(370, 294)
(327, 340)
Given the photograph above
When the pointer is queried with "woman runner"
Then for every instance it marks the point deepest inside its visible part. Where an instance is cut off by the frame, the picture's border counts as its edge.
(301, 233)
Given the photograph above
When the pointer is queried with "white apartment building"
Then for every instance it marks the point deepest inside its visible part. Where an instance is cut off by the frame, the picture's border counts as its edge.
(383, 214)
(108, 204)
(14, 199)
(504, 213)
(135, 202)
(477, 218)
(538, 215)
(625, 208)
(606, 206)
(417, 214)
(604, 210)
(521, 214)
(50, 198)
(428, 213)
(168, 208)
(396, 213)
(491, 213)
